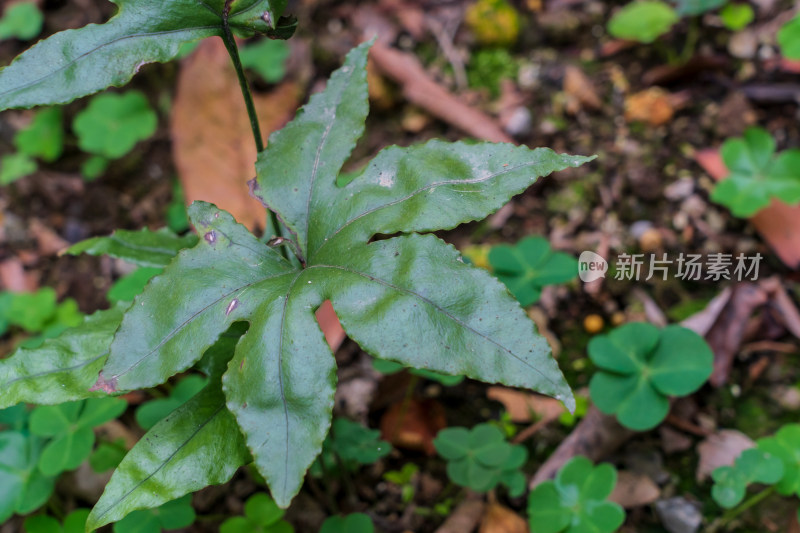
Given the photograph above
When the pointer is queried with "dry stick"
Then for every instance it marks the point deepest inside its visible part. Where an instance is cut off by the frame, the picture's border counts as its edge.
(466, 516)
(420, 90)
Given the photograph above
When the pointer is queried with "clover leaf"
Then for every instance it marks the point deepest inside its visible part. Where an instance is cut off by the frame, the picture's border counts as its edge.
(481, 458)
(390, 295)
(736, 16)
(576, 501)
(74, 522)
(349, 444)
(756, 174)
(16, 166)
(785, 445)
(43, 137)
(172, 515)
(76, 63)
(148, 414)
(126, 288)
(529, 266)
(352, 523)
(267, 58)
(639, 366)
(21, 20)
(752, 466)
(71, 427)
(643, 21)
(23, 488)
(112, 124)
(789, 38)
(261, 515)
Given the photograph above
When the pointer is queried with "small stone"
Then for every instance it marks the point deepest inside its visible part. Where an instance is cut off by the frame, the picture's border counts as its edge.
(679, 515)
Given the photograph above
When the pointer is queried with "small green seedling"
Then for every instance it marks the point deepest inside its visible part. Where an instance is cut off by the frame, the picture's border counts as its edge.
(150, 413)
(38, 312)
(752, 466)
(353, 444)
(144, 248)
(16, 166)
(757, 175)
(23, 488)
(405, 479)
(267, 58)
(736, 16)
(789, 38)
(111, 125)
(529, 266)
(43, 137)
(71, 428)
(481, 458)
(643, 21)
(352, 523)
(74, 522)
(172, 515)
(387, 368)
(261, 515)
(576, 501)
(21, 20)
(640, 366)
(785, 445)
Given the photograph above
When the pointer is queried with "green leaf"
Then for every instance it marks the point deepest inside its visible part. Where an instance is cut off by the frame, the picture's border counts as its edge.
(785, 445)
(172, 515)
(789, 38)
(529, 266)
(267, 58)
(546, 514)
(15, 167)
(643, 21)
(752, 466)
(75, 522)
(44, 137)
(389, 294)
(41, 524)
(261, 514)
(113, 123)
(154, 249)
(639, 366)
(352, 523)
(108, 455)
(390, 367)
(23, 489)
(353, 442)
(62, 369)
(128, 287)
(197, 445)
(94, 167)
(21, 20)
(756, 175)
(75, 63)
(148, 414)
(32, 310)
(736, 16)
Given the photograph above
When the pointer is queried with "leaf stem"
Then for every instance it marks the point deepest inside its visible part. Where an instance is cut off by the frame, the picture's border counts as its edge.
(273, 225)
(729, 515)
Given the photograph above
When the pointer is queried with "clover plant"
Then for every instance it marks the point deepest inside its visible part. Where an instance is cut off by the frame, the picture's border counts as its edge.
(267, 58)
(74, 522)
(480, 458)
(71, 426)
(352, 523)
(576, 501)
(757, 174)
(390, 367)
(149, 413)
(37, 312)
(261, 515)
(640, 366)
(171, 515)
(241, 310)
(23, 488)
(643, 21)
(789, 38)
(529, 266)
(785, 445)
(752, 466)
(43, 138)
(351, 445)
(404, 479)
(108, 455)
(736, 16)
(21, 20)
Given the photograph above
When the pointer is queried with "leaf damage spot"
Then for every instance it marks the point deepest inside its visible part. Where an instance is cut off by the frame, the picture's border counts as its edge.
(106, 385)
(210, 237)
(231, 306)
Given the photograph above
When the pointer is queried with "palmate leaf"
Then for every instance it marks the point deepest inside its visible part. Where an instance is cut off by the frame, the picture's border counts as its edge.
(408, 299)
(75, 63)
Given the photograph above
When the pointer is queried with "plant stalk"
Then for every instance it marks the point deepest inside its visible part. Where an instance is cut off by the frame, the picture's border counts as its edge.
(731, 514)
(273, 225)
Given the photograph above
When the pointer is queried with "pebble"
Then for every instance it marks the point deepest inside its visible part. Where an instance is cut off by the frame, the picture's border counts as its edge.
(679, 515)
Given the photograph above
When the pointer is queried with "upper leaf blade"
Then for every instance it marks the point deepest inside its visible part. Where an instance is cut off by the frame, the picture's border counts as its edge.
(144, 247)
(62, 369)
(394, 297)
(75, 63)
(183, 311)
(310, 151)
(437, 185)
(197, 445)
